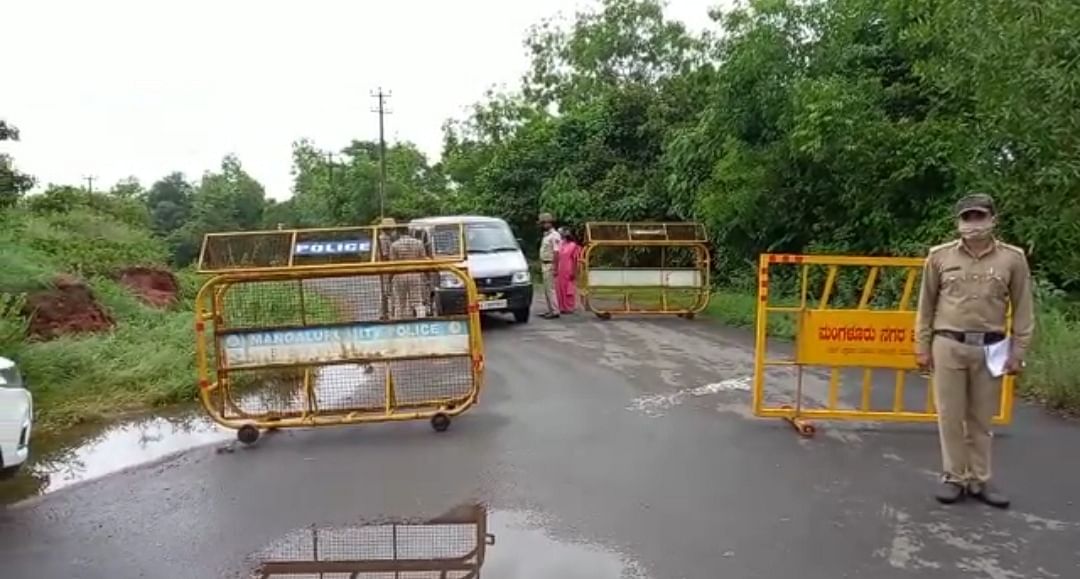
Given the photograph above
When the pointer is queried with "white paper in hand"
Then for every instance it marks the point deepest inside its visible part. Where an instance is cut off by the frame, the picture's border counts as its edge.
(996, 356)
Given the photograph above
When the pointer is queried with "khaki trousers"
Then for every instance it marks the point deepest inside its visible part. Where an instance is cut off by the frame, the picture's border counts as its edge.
(967, 398)
(548, 273)
(408, 292)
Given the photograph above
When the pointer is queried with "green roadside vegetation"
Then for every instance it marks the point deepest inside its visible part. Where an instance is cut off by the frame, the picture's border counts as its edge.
(145, 360)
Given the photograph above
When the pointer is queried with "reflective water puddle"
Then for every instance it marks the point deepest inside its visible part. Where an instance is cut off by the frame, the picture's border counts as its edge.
(84, 454)
(466, 542)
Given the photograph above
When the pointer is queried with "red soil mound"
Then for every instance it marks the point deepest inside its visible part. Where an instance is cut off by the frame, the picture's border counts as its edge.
(156, 287)
(67, 308)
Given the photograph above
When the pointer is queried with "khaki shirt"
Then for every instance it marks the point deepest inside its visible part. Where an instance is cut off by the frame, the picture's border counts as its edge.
(549, 245)
(964, 292)
(407, 248)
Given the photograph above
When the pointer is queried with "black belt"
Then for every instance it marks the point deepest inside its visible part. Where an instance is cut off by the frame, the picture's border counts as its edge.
(972, 338)
(549, 261)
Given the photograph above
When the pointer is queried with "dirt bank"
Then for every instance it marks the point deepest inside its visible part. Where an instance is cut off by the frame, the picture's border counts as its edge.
(156, 287)
(69, 307)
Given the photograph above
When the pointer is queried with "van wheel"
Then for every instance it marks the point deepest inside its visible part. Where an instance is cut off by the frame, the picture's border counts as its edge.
(522, 316)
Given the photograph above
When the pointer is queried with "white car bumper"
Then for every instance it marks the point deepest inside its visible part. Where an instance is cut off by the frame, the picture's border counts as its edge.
(16, 414)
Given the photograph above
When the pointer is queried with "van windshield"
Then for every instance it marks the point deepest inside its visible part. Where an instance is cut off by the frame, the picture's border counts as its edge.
(489, 238)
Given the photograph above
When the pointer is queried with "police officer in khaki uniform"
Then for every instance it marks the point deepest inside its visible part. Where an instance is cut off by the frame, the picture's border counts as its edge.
(549, 246)
(386, 235)
(967, 286)
(409, 290)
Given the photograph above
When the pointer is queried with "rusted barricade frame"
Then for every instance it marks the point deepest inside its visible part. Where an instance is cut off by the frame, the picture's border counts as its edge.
(646, 235)
(211, 329)
(799, 415)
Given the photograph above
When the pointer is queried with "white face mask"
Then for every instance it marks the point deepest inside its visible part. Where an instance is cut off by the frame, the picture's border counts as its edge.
(976, 229)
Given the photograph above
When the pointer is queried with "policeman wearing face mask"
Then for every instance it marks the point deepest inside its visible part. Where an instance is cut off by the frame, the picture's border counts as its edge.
(967, 286)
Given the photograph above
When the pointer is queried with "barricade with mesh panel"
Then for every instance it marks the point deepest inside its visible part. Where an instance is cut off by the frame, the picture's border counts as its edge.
(645, 268)
(333, 326)
(853, 321)
(448, 547)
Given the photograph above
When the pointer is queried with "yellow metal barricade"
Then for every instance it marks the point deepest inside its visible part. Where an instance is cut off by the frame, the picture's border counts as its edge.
(293, 330)
(645, 269)
(853, 320)
(452, 546)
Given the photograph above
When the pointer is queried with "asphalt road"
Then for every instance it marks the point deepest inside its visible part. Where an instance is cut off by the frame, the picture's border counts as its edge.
(598, 449)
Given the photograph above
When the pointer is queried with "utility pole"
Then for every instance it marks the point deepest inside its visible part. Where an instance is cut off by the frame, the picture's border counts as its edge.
(381, 109)
(89, 183)
(330, 168)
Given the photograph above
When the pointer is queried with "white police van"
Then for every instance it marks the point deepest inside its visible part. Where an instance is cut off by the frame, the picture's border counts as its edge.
(16, 417)
(495, 262)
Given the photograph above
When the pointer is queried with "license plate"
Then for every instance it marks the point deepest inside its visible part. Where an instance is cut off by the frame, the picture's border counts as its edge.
(492, 304)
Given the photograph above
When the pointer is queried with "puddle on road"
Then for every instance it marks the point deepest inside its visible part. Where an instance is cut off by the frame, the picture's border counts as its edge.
(465, 542)
(84, 454)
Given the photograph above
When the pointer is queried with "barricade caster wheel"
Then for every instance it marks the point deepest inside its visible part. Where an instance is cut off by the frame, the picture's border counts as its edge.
(247, 434)
(688, 316)
(604, 316)
(440, 422)
(802, 427)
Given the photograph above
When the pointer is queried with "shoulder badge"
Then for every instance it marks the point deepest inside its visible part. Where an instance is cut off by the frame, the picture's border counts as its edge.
(1010, 247)
(948, 245)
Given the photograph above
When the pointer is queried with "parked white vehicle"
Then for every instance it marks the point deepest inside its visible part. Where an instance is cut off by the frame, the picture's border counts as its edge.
(16, 418)
(495, 262)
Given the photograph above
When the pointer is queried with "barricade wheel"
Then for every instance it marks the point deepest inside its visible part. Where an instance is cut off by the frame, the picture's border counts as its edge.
(247, 434)
(440, 422)
(804, 428)
(688, 315)
(604, 316)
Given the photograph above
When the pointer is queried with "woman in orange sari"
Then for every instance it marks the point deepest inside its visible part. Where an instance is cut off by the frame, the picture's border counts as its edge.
(566, 267)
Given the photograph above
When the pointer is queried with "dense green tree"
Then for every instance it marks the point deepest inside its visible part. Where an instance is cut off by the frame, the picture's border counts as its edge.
(13, 184)
(169, 201)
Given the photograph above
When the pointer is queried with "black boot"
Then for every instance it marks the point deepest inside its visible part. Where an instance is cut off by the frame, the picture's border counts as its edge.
(989, 495)
(949, 492)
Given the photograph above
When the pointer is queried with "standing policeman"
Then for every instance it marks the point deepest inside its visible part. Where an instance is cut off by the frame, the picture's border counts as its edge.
(967, 286)
(549, 247)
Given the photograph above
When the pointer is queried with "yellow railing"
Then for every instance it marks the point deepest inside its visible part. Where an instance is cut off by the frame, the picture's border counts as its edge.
(332, 343)
(871, 331)
(645, 269)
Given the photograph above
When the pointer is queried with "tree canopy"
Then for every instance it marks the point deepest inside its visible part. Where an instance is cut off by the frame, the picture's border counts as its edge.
(848, 126)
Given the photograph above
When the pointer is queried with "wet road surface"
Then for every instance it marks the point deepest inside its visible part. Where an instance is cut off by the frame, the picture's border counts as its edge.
(598, 449)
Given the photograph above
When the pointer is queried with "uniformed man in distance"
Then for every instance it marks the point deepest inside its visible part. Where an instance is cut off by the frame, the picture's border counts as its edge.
(549, 247)
(409, 290)
(386, 235)
(967, 287)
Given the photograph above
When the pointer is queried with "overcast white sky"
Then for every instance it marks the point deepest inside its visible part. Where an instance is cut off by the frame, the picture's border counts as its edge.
(112, 88)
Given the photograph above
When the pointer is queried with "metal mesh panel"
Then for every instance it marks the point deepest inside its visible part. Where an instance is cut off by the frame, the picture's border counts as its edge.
(652, 257)
(645, 300)
(327, 300)
(262, 250)
(228, 251)
(645, 232)
(347, 387)
(346, 381)
(425, 550)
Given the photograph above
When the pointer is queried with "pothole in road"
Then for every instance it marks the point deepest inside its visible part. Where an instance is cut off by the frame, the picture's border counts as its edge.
(465, 542)
(84, 454)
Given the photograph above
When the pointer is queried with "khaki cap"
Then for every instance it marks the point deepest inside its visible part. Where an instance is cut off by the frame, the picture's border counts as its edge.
(387, 222)
(980, 202)
(546, 218)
